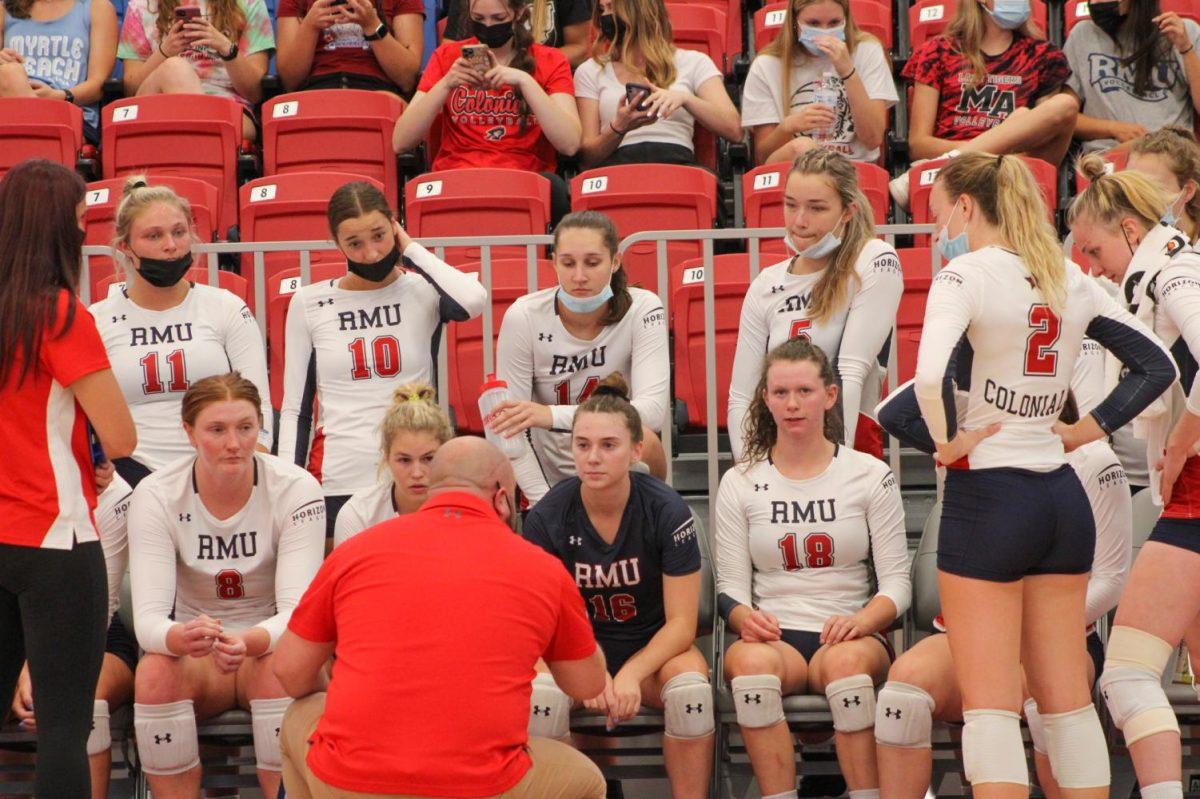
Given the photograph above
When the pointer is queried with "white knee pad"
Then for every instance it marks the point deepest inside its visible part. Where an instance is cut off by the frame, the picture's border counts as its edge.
(852, 703)
(100, 739)
(1077, 749)
(757, 700)
(266, 717)
(688, 706)
(904, 716)
(993, 750)
(166, 737)
(549, 709)
(1037, 731)
(1131, 684)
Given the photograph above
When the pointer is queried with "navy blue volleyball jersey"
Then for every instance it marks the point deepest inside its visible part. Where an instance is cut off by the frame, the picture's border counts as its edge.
(620, 582)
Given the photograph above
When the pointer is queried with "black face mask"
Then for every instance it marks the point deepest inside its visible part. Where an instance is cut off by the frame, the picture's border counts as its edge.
(162, 272)
(1107, 16)
(380, 269)
(493, 35)
(612, 27)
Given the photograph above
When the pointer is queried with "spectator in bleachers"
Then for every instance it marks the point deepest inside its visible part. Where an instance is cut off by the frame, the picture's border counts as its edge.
(222, 544)
(224, 51)
(54, 378)
(799, 520)
(518, 114)
(992, 84)
(557, 344)
(163, 332)
(351, 341)
(779, 100)
(115, 687)
(1171, 156)
(1134, 70)
(347, 44)
(629, 542)
(565, 24)
(413, 428)
(680, 88)
(34, 62)
(840, 289)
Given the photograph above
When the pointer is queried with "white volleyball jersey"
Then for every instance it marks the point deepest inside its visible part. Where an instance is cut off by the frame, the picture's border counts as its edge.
(1177, 318)
(778, 307)
(249, 570)
(366, 508)
(112, 514)
(544, 363)
(157, 355)
(349, 350)
(1087, 381)
(986, 324)
(1112, 506)
(798, 549)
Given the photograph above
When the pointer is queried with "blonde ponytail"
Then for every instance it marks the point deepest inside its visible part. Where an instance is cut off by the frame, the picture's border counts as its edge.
(1113, 197)
(138, 195)
(414, 409)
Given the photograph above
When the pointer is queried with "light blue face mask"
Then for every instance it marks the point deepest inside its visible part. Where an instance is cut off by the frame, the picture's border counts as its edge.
(821, 248)
(1171, 216)
(808, 37)
(1010, 14)
(585, 304)
(952, 247)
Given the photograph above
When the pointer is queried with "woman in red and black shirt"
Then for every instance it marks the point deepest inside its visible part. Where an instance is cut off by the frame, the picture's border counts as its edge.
(54, 376)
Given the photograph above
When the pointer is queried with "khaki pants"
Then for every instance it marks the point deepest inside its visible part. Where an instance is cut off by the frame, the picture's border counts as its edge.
(558, 771)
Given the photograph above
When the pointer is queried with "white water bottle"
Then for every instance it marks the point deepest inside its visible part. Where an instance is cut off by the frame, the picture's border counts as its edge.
(827, 94)
(491, 394)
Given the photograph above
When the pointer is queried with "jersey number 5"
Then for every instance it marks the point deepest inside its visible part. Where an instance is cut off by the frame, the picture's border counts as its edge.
(799, 329)
(818, 552)
(386, 360)
(1040, 356)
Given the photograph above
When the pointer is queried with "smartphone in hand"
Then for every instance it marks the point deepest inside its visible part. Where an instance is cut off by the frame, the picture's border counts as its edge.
(635, 93)
(187, 13)
(477, 56)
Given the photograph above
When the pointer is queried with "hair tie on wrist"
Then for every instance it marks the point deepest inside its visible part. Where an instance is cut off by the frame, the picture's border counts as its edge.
(1191, 47)
(614, 129)
(848, 77)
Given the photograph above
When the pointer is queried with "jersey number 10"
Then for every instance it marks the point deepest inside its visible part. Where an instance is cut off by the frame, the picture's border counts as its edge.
(818, 551)
(386, 360)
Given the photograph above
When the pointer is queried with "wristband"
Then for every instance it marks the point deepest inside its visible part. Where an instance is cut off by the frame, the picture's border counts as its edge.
(1191, 47)
(377, 34)
(161, 51)
(848, 77)
(620, 133)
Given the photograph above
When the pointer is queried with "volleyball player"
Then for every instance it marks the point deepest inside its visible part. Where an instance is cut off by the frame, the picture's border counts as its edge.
(1116, 223)
(798, 518)
(222, 544)
(840, 289)
(557, 344)
(629, 541)
(411, 432)
(163, 332)
(350, 341)
(1007, 317)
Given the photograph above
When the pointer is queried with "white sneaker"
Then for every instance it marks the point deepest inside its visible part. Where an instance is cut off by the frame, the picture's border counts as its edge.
(898, 188)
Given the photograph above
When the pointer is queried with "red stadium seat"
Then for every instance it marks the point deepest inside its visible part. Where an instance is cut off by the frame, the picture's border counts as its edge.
(922, 176)
(289, 207)
(280, 288)
(102, 199)
(732, 9)
(1076, 10)
(192, 135)
(702, 28)
(731, 281)
(762, 196)
(464, 340)
(643, 197)
(871, 16)
(918, 276)
(929, 18)
(334, 130)
(768, 20)
(197, 274)
(1117, 159)
(478, 202)
(30, 129)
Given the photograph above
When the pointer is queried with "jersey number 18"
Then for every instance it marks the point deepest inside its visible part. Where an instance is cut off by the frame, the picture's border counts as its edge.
(817, 554)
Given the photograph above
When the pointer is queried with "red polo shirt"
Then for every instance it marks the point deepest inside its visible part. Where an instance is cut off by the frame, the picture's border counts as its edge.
(438, 619)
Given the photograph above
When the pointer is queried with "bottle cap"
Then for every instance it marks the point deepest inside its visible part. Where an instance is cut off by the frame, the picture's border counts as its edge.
(491, 382)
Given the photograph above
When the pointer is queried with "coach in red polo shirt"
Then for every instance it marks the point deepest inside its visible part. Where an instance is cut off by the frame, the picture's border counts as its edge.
(437, 619)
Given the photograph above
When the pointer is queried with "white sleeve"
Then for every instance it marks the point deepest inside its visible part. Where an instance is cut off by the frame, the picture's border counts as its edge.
(462, 295)
(889, 544)
(514, 365)
(952, 303)
(299, 553)
(347, 524)
(1087, 381)
(747, 368)
(295, 432)
(152, 568)
(1180, 299)
(586, 80)
(650, 378)
(761, 104)
(699, 68)
(112, 515)
(1112, 505)
(735, 569)
(244, 348)
(876, 73)
(868, 325)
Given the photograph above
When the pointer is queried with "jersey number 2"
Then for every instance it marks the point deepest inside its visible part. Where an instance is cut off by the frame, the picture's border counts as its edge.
(386, 360)
(176, 363)
(1040, 356)
(818, 552)
(229, 584)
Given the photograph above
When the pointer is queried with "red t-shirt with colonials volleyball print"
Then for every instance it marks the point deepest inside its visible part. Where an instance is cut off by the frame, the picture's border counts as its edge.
(1017, 78)
(482, 127)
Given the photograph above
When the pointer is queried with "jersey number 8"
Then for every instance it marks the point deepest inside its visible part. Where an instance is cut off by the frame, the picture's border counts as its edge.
(818, 551)
(229, 584)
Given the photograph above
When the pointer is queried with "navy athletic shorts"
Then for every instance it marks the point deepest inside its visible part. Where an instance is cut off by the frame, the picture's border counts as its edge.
(618, 653)
(1182, 533)
(1004, 524)
(121, 643)
(807, 642)
(1096, 652)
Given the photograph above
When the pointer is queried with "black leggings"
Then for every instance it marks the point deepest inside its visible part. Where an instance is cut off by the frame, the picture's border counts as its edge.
(53, 604)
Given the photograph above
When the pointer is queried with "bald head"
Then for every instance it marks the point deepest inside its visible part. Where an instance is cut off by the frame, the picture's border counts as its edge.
(470, 463)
